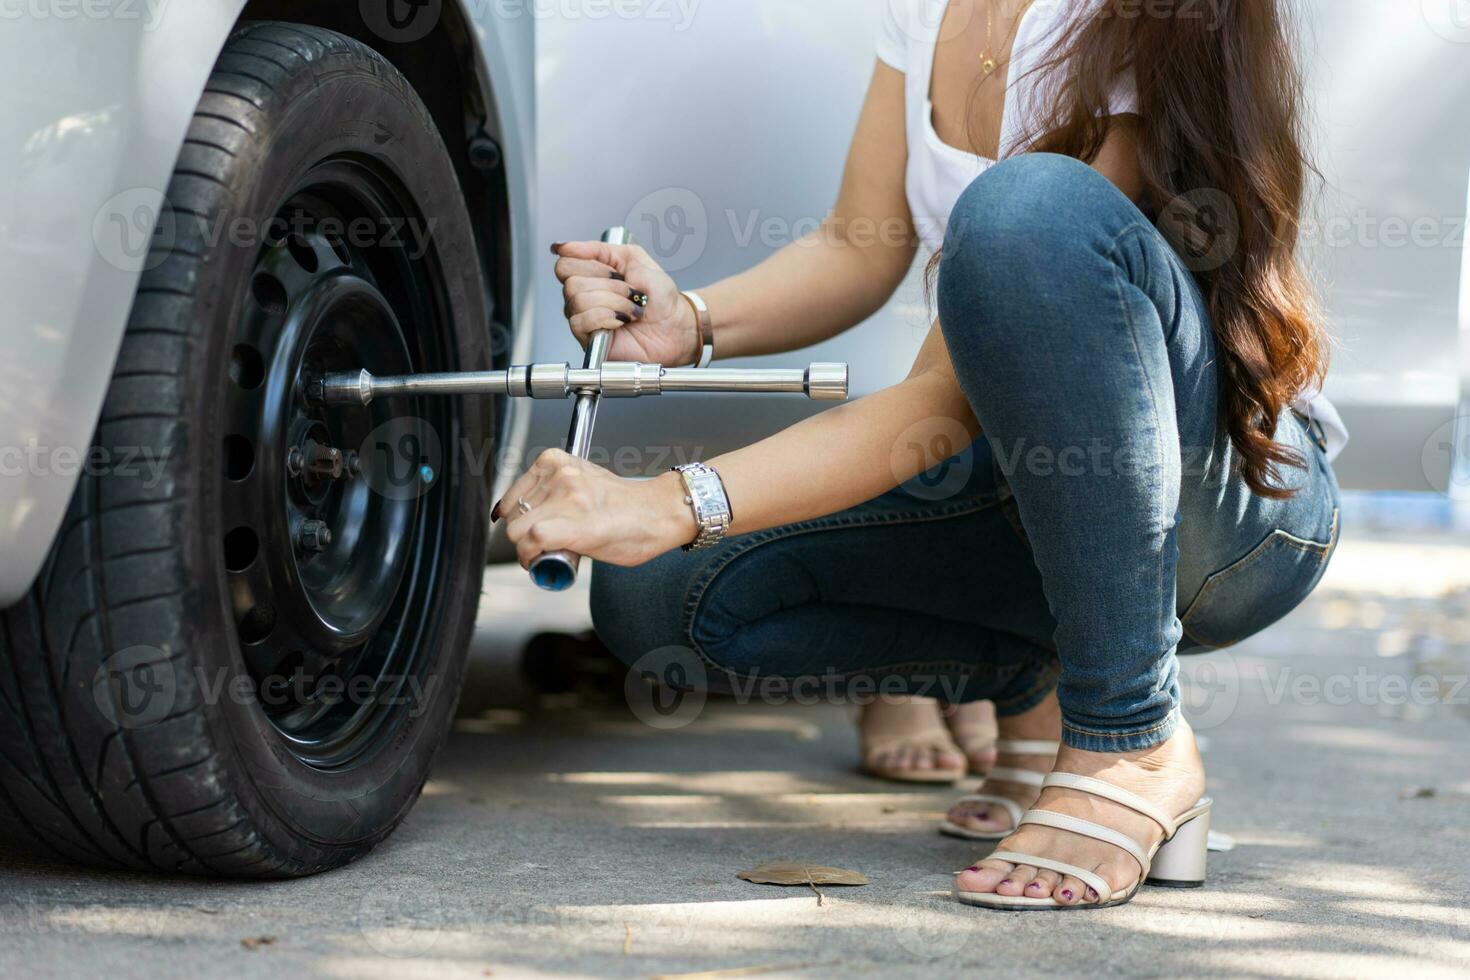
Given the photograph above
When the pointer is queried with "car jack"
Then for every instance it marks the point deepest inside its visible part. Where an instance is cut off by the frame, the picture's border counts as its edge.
(557, 571)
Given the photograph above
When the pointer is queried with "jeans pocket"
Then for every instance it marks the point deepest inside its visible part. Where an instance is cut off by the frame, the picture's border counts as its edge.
(1259, 589)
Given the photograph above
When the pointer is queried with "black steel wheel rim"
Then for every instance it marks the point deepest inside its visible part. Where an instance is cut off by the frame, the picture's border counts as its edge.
(334, 521)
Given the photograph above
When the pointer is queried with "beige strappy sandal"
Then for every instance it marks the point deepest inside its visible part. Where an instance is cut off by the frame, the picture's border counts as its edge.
(926, 731)
(1004, 774)
(1178, 861)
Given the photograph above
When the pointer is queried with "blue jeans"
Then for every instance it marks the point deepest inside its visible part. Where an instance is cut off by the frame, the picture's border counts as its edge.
(1097, 529)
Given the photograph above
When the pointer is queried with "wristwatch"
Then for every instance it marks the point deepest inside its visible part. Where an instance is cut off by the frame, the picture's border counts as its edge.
(704, 491)
(704, 326)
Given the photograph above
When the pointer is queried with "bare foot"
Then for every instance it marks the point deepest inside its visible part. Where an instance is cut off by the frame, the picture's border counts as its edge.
(1042, 723)
(906, 739)
(974, 730)
(1171, 776)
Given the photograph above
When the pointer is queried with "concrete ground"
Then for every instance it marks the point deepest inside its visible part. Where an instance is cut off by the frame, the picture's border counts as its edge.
(561, 835)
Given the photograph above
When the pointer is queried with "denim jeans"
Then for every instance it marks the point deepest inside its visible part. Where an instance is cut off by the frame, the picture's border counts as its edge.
(1097, 529)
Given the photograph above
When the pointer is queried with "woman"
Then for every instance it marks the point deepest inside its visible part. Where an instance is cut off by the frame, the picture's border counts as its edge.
(1150, 471)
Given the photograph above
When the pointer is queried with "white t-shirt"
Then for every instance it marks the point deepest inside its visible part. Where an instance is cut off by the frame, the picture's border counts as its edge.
(938, 173)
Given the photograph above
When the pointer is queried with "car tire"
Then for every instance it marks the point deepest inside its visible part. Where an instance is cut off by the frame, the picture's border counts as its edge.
(135, 727)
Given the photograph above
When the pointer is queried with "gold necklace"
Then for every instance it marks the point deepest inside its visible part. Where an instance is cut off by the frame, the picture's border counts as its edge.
(988, 63)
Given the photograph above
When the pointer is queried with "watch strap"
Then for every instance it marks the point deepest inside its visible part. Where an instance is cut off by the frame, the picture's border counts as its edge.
(704, 492)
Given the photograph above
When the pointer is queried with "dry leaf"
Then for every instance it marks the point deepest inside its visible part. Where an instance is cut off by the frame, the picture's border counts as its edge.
(797, 873)
(255, 942)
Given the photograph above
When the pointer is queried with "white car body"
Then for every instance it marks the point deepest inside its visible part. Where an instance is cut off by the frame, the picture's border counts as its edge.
(732, 120)
(717, 132)
(98, 96)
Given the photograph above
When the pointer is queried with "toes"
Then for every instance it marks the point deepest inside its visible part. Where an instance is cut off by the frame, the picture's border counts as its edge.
(983, 877)
(1014, 884)
(981, 816)
(1070, 891)
(945, 759)
(1043, 885)
(982, 760)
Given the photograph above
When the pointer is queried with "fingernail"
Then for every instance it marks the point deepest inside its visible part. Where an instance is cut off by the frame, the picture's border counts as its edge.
(639, 311)
(556, 248)
(495, 513)
(624, 318)
(618, 276)
(1067, 894)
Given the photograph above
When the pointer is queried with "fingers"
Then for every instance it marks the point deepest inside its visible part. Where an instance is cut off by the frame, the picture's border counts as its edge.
(620, 258)
(588, 268)
(583, 293)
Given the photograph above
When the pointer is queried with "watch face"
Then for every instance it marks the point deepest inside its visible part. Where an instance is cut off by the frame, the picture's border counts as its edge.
(708, 494)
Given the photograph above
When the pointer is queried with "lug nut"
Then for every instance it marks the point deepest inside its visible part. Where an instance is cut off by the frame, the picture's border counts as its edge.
(295, 460)
(354, 464)
(324, 462)
(315, 535)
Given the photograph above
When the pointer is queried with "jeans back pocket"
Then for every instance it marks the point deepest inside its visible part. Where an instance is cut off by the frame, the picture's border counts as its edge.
(1259, 589)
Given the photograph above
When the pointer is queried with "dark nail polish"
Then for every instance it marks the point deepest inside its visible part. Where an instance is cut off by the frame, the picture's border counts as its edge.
(495, 513)
(1092, 895)
(973, 867)
(556, 248)
(617, 276)
(1067, 894)
(624, 318)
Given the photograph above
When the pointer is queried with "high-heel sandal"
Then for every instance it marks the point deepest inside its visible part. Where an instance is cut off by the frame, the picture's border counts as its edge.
(1004, 774)
(1178, 861)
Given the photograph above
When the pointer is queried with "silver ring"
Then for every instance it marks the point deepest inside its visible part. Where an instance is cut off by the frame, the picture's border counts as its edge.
(522, 506)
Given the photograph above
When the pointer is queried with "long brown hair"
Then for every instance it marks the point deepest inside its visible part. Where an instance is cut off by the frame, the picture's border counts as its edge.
(1221, 99)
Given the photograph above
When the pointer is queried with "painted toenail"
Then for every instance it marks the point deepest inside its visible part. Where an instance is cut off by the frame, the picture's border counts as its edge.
(1067, 894)
(1008, 882)
(1034, 886)
(1092, 895)
(973, 867)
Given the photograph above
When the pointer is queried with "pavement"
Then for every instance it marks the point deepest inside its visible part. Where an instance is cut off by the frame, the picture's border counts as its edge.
(564, 835)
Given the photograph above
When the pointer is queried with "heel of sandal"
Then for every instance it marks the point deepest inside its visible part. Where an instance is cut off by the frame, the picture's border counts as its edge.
(1181, 862)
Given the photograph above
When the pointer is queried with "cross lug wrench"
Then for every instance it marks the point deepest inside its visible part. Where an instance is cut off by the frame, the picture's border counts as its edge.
(598, 377)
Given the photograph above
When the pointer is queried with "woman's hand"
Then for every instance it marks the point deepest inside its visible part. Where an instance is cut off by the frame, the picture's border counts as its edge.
(600, 283)
(580, 507)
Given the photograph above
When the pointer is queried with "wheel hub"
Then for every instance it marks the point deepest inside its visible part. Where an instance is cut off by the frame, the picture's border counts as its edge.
(325, 510)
